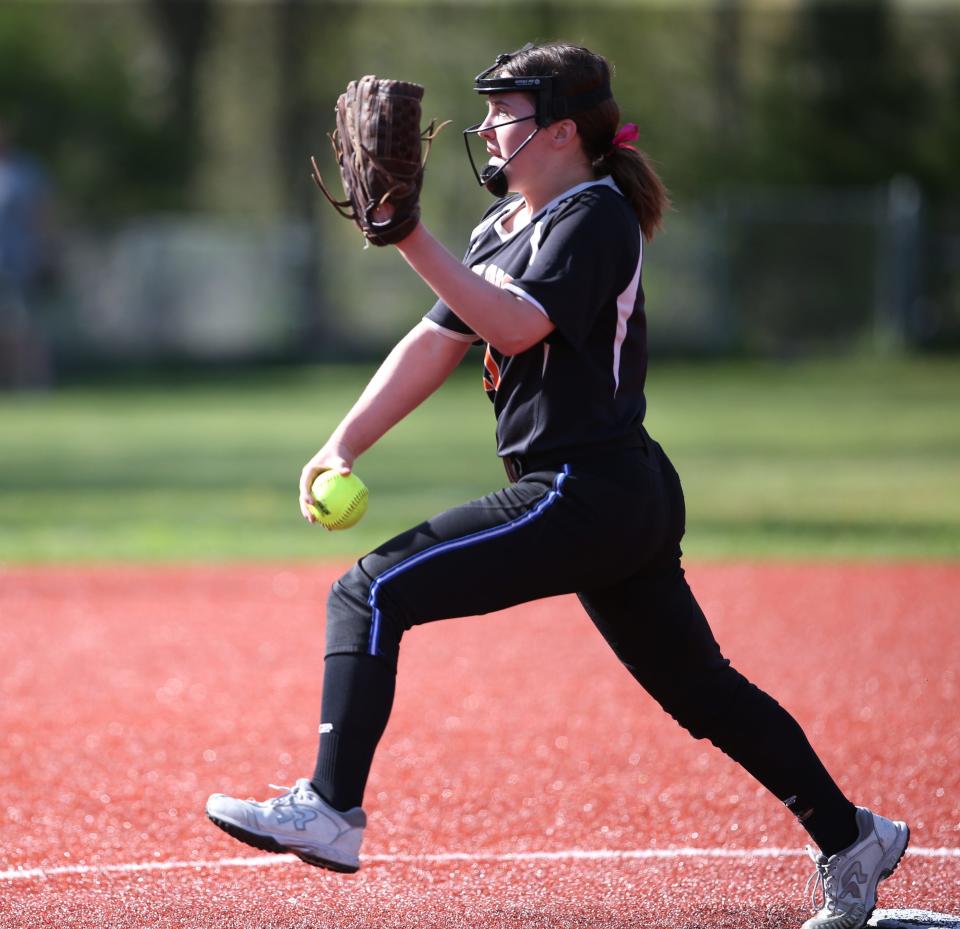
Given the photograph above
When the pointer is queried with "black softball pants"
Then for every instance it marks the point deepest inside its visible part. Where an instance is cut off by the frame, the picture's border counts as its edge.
(606, 528)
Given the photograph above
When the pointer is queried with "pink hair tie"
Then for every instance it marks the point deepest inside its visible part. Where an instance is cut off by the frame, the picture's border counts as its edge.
(625, 135)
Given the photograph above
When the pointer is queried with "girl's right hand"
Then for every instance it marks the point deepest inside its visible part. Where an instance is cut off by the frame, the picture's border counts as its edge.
(332, 457)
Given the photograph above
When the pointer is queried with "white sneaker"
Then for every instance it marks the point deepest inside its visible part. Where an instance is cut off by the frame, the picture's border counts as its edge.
(298, 821)
(848, 880)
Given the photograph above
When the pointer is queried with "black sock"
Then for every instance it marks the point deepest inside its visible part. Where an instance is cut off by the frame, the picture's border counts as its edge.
(832, 824)
(357, 699)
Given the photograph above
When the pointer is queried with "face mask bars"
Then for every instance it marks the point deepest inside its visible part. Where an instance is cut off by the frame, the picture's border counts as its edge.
(492, 176)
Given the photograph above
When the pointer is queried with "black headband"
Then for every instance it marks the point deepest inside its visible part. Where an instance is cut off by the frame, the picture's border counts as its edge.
(550, 105)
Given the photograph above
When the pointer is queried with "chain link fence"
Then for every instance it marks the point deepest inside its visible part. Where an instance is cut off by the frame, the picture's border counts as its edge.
(781, 272)
(756, 273)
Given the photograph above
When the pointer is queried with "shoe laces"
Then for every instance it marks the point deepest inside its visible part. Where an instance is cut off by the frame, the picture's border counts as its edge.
(822, 884)
(289, 796)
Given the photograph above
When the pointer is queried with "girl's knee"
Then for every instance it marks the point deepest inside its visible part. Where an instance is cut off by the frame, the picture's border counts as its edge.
(360, 619)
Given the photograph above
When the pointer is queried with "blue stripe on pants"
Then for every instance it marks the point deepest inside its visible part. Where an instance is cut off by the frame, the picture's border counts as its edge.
(453, 544)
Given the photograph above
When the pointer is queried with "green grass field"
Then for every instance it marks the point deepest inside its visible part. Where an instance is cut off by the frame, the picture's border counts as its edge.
(821, 459)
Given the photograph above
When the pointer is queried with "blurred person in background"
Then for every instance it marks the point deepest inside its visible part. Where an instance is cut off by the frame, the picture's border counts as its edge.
(27, 261)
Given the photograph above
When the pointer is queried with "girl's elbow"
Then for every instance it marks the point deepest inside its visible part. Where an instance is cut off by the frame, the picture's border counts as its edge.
(523, 338)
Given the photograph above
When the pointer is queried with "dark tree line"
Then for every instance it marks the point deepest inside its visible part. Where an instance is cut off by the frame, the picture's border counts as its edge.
(844, 95)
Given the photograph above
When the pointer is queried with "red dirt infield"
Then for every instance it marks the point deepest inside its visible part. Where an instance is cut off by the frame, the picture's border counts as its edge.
(524, 780)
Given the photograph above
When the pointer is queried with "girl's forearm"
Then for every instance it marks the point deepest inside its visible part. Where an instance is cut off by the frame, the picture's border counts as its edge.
(508, 322)
(415, 368)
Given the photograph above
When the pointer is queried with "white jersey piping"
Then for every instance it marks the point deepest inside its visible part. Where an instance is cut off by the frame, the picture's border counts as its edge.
(479, 230)
(520, 292)
(535, 242)
(626, 304)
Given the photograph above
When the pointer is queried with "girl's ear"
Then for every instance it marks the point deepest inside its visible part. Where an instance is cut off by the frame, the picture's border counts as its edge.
(563, 132)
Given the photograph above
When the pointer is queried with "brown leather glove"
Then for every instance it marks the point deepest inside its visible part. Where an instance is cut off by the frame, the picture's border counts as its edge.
(378, 146)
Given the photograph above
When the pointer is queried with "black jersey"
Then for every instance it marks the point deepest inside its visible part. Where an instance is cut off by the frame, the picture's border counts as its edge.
(578, 262)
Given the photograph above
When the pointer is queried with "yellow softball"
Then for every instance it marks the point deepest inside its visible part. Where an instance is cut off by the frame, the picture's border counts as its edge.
(340, 500)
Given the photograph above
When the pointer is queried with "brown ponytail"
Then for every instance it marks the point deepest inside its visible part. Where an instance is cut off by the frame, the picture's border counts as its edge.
(633, 173)
(579, 70)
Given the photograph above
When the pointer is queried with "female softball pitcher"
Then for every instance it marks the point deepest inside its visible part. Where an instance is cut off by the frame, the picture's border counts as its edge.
(551, 284)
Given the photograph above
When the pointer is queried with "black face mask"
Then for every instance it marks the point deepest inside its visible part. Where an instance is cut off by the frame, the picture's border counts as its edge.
(494, 177)
(550, 105)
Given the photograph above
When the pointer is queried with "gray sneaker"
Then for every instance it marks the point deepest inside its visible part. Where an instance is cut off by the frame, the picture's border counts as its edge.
(298, 821)
(848, 880)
